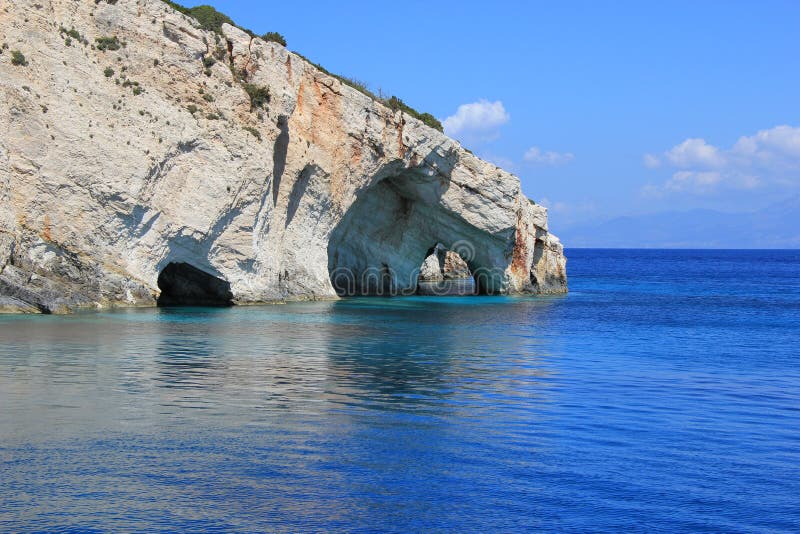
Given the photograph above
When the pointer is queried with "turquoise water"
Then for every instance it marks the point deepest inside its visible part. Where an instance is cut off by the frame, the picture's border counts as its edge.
(663, 393)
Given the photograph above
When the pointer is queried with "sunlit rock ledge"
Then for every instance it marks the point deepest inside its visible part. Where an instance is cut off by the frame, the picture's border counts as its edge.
(116, 165)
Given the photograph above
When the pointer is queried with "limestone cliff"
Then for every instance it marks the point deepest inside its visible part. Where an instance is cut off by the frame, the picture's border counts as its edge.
(156, 146)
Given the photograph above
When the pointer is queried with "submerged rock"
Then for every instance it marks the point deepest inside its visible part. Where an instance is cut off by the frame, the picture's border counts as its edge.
(236, 157)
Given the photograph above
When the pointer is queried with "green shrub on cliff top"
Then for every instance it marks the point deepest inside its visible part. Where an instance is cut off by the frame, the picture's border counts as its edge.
(431, 121)
(208, 17)
(274, 37)
(396, 104)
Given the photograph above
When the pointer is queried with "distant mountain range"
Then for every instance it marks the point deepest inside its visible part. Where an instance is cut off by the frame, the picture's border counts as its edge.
(777, 226)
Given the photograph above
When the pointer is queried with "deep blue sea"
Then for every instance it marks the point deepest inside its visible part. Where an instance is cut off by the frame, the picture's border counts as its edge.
(661, 394)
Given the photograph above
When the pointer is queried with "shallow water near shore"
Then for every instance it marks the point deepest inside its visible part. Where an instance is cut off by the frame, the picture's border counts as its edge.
(662, 393)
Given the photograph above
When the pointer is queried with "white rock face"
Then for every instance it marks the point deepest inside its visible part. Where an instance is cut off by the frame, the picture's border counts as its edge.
(107, 177)
(431, 269)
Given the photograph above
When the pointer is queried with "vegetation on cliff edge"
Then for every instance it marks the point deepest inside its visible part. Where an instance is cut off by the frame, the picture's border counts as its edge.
(211, 19)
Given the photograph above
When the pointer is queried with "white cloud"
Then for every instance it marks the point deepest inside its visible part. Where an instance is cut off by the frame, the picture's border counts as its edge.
(699, 182)
(782, 139)
(770, 157)
(479, 120)
(536, 155)
(650, 161)
(694, 153)
(770, 146)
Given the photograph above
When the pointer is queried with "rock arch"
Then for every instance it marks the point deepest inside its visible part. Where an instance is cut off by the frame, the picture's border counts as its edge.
(381, 242)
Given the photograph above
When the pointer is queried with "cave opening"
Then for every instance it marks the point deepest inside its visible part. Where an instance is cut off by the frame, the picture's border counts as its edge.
(382, 242)
(183, 284)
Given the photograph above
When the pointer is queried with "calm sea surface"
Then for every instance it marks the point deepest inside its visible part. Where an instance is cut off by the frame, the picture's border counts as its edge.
(663, 393)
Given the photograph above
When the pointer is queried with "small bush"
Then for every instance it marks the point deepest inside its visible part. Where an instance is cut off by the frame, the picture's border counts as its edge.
(355, 83)
(155, 62)
(259, 95)
(208, 98)
(107, 43)
(67, 42)
(17, 58)
(274, 37)
(395, 104)
(209, 18)
(253, 131)
(207, 72)
(72, 32)
(208, 61)
(137, 91)
(109, 72)
(212, 116)
(192, 108)
(431, 121)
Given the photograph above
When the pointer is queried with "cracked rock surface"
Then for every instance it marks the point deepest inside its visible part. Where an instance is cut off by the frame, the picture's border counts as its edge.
(117, 164)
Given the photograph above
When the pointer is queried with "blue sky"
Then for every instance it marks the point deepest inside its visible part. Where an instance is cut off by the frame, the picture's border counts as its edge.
(621, 107)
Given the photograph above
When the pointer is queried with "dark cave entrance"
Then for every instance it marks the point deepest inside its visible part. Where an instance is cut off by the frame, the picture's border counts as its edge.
(182, 284)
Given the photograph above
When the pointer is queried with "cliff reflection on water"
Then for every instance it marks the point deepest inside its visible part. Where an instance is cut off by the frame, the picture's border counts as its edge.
(248, 365)
(367, 354)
